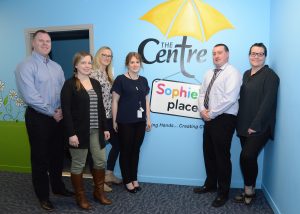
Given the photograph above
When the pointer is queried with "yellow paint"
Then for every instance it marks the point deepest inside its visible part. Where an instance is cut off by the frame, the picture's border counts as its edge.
(187, 18)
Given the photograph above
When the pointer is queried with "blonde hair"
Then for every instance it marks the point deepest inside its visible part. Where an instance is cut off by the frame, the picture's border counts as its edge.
(76, 59)
(108, 69)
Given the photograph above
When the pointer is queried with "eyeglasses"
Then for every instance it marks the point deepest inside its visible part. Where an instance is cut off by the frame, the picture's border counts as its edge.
(253, 54)
(106, 56)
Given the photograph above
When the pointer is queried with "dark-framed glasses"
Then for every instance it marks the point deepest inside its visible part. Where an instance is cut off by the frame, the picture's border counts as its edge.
(106, 56)
(254, 54)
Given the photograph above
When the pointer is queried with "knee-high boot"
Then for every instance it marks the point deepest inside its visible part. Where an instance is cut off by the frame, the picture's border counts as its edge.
(98, 176)
(80, 197)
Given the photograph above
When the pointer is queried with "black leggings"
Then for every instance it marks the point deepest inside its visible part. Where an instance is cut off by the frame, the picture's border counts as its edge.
(251, 147)
(115, 148)
(131, 136)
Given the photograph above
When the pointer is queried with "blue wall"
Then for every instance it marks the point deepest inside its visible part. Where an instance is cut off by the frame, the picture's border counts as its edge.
(169, 155)
(281, 176)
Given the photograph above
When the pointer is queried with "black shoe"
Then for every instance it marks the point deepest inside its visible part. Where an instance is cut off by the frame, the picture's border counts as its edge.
(203, 189)
(65, 192)
(130, 190)
(47, 205)
(220, 200)
(244, 198)
(240, 198)
(138, 188)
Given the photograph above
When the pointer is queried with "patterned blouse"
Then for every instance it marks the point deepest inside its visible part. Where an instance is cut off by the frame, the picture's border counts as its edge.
(102, 77)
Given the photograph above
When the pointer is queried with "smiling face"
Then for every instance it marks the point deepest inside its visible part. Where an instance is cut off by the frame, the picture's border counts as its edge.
(84, 66)
(42, 44)
(257, 57)
(220, 56)
(105, 57)
(134, 65)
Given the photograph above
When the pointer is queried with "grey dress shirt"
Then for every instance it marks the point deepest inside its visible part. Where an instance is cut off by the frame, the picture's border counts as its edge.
(39, 81)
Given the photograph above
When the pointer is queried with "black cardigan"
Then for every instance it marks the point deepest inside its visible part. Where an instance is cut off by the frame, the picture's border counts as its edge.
(76, 112)
(257, 104)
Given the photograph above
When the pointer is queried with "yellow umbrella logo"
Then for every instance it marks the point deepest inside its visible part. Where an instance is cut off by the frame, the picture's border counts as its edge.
(187, 18)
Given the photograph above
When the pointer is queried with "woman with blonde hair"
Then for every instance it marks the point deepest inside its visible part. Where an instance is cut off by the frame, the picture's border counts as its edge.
(103, 72)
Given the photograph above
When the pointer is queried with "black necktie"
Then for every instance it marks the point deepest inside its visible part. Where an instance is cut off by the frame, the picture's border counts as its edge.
(206, 98)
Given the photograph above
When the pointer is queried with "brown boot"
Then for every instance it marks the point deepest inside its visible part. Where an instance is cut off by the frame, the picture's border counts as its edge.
(98, 176)
(79, 191)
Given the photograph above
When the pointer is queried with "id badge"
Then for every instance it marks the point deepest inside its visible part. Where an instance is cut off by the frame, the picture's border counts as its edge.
(139, 114)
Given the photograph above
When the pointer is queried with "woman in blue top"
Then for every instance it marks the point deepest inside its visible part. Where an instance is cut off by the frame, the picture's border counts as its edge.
(131, 117)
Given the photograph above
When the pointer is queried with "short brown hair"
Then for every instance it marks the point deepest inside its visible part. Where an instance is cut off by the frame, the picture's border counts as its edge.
(40, 31)
(133, 54)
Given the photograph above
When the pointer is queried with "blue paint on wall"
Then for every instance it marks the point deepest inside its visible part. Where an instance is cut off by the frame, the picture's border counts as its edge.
(169, 155)
(281, 176)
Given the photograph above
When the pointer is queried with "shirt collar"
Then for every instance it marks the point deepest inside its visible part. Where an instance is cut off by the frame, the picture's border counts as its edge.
(40, 57)
(224, 66)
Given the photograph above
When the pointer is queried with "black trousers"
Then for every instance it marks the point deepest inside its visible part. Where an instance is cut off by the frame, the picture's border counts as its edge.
(115, 146)
(47, 152)
(217, 138)
(251, 147)
(131, 136)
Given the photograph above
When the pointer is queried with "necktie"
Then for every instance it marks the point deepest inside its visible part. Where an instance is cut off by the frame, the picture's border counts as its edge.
(206, 98)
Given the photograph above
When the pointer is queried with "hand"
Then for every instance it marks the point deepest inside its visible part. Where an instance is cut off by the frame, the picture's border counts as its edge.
(148, 125)
(73, 141)
(115, 126)
(251, 131)
(106, 135)
(204, 115)
(58, 116)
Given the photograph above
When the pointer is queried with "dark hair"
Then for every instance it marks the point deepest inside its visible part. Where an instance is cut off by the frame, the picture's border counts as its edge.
(261, 45)
(225, 46)
(40, 31)
(133, 54)
(77, 57)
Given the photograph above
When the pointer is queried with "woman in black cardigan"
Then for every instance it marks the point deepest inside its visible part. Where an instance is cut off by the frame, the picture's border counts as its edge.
(85, 126)
(256, 116)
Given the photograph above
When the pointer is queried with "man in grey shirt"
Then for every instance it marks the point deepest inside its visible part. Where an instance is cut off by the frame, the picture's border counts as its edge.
(39, 80)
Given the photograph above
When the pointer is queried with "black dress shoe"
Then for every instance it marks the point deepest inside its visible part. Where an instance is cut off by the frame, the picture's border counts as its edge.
(220, 200)
(204, 189)
(47, 205)
(130, 190)
(138, 188)
(64, 192)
